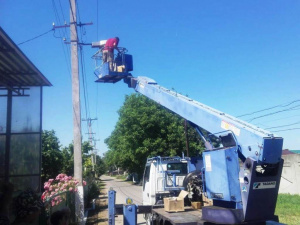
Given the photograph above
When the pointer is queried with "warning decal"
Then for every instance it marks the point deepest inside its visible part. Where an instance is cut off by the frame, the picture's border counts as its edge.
(208, 163)
(264, 185)
(228, 126)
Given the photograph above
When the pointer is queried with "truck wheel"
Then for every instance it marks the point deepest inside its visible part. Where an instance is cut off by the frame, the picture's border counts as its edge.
(149, 217)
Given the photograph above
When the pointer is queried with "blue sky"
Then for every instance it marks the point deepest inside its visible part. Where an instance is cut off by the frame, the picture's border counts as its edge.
(236, 56)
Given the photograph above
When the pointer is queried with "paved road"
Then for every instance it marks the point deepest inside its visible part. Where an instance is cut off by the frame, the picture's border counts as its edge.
(124, 190)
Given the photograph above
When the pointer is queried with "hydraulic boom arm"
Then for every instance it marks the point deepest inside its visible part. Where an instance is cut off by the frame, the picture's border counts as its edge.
(252, 141)
(242, 177)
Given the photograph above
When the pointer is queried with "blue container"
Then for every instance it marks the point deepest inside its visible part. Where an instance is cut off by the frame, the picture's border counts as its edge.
(128, 62)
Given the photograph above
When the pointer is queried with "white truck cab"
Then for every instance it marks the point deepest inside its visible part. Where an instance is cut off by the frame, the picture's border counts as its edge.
(163, 177)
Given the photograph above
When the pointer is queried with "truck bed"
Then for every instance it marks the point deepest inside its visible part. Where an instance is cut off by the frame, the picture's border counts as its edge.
(188, 217)
(191, 217)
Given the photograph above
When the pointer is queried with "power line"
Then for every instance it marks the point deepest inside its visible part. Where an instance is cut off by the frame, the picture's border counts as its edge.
(284, 125)
(282, 118)
(82, 61)
(269, 114)
(62, 12)
(36, 37)
(62, 34)
(63, 15)
(55, 11)
(281, 105)
(84, 84)
(297, 128)
(97, 86)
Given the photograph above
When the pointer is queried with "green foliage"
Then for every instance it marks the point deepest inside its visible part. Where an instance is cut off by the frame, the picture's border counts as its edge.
(146, 129)
(56, 161)
(93, 191)
(51, 155)
(68, 160)
(288, 209)
(121, 177)
(100, 167)
(86, 147)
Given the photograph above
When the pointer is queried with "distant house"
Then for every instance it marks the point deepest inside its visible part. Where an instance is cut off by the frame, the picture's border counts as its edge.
(287, 152)
(295, 151)
(290, 177)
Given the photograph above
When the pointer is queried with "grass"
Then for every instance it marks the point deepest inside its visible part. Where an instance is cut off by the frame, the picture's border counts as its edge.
(288, 209)
(121, 177)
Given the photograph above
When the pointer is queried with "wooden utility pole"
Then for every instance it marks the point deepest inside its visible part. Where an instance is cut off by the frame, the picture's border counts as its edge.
(79, 198)
(186, 138)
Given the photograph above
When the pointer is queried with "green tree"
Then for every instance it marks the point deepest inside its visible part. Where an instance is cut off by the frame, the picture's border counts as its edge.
(100, 167)
(68, 160)
(51, 155)
(146, 129)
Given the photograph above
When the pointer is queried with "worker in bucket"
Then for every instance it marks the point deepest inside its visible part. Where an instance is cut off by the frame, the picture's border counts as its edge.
(108, 51)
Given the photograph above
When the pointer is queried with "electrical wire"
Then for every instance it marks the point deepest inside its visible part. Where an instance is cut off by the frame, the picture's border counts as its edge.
(84, 87)
(97, 86)
(282, 118)
(284, 125)
(84, 84)
(269, 114)
(297, 128)
(79, 38)
(66, 48)
(273, 107)
(84, 77)
(31, 39)
(62, 12)
(58, 19)
(63, 15)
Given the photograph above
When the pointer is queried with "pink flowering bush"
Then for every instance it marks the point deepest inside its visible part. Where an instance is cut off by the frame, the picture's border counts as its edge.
(62, 183)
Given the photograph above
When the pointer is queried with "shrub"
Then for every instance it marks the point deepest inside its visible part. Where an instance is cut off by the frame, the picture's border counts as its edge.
(62, 183)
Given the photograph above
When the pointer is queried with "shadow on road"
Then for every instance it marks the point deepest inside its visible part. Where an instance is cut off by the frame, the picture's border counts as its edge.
(107, 179)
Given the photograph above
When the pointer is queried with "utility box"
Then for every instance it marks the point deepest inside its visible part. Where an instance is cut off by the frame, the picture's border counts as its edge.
(175, 204)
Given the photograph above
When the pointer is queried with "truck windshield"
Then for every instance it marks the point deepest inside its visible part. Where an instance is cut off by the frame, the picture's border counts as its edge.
(178, 168)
